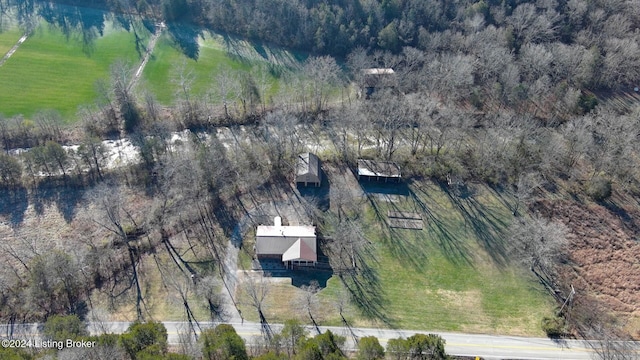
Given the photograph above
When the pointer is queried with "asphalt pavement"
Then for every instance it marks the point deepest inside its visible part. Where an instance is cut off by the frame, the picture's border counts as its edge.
(484, 346)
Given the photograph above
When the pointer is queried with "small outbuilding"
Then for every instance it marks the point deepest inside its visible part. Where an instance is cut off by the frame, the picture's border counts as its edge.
(293, 245)
(308, 171)
(378, 171)
(376, 78)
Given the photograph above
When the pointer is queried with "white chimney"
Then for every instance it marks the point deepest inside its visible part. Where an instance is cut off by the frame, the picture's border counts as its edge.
(277, 221)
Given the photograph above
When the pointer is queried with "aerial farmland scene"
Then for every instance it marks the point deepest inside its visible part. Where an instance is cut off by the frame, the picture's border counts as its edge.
(310, 180)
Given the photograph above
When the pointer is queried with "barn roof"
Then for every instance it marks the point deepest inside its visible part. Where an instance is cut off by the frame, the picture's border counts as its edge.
(308, 164)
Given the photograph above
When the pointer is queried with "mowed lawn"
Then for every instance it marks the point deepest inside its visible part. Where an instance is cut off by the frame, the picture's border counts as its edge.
(453, 275)
(8, 38)
(50, 71)
(165, 66)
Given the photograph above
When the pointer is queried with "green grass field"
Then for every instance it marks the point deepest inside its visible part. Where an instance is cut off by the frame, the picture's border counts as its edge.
(50, 71)
(214, 56)
(450, 276)
(8, 38)
(453, 275)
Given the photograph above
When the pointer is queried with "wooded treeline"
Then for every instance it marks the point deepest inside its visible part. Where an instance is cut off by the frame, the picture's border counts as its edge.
(590, 45)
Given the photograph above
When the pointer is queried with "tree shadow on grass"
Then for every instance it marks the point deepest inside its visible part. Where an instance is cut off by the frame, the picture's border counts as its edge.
(499, 193)
(488, 228)
(85, 23)
(66, 196)
(185, 38)
(234, 49)
(404, 248)
(367, 293)
(454, 249)
(14, 204)
(227, 219)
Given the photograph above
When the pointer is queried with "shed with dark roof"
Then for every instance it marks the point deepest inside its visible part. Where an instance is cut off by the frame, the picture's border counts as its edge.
(308, 171)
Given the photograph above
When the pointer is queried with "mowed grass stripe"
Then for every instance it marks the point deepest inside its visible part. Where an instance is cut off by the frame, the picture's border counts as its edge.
(50, 71)
(8, 38)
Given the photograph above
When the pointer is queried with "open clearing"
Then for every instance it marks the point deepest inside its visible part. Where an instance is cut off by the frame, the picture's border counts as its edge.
(51, 71)
(215, 54)
(450, 276)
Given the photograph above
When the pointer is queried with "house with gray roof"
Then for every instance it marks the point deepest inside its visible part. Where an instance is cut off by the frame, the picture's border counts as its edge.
(293, 245)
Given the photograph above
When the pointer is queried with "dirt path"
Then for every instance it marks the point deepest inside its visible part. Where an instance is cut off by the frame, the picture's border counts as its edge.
(13, 49)
(145, 59)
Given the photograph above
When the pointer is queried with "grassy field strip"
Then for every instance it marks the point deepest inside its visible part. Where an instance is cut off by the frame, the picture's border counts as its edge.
(216, 55)
(251, 51)
(51, 71)
(13, 49)
(8, 39)
(167, 59)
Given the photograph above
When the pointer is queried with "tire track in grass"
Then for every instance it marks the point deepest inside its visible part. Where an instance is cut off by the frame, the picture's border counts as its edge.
(13, 49)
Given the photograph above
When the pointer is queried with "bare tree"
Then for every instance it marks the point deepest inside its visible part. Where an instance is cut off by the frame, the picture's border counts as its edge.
(108, 114)
(535, 61)
(187, 104)
(151, 107)
(55, 286)
(263, 85)
(538, 244)
(112, 215)
(121, 76)
(308, 302)
(324, 73)
(389, 114)
(93, 154)
(349, 246)
(208, 288)
(281, 140)
(49, 125)
(5, 133)
(255, 289)
(227, 88)
(529, 25)
(525, 189)
(451, 75)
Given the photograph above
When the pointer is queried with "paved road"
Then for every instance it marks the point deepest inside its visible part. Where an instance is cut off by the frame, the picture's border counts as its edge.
(486, 346)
